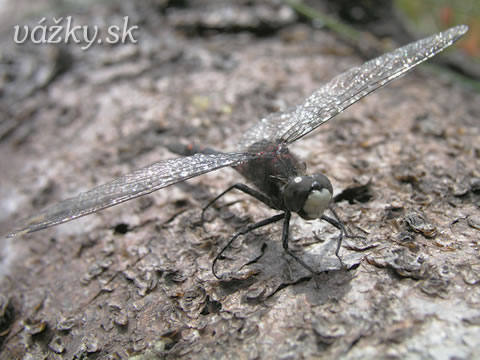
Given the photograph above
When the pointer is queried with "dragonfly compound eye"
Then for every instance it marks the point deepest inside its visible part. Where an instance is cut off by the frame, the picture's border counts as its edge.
(309, 196)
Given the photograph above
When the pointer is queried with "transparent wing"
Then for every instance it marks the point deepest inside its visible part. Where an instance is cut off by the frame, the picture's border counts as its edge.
(129, 186)
(347, 88)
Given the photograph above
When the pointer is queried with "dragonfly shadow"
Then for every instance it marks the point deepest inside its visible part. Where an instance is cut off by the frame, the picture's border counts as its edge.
(261, 254)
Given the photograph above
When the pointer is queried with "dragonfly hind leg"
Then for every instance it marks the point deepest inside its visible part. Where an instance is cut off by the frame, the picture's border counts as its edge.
(242, 187)
(245, 231)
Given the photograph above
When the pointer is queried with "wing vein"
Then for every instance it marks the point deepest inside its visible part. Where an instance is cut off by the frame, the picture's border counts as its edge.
(137, 183)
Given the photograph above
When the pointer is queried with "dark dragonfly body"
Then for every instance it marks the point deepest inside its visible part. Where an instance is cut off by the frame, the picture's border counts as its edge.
(271, 170)
(280, 182)
(279, 177)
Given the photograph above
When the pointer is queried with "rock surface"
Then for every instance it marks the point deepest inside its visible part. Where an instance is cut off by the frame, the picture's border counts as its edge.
(135, 280)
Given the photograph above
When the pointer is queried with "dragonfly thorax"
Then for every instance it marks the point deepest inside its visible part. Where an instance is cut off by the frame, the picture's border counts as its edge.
(308, 195)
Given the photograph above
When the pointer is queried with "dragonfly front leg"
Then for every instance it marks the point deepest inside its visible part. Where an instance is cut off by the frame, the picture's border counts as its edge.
(286, 227)
(339, 225)
(343, 233)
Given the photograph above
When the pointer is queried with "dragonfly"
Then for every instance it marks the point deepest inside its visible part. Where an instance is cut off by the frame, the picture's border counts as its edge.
(278, 178)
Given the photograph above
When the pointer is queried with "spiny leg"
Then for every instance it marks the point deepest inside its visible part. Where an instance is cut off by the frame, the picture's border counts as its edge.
(286, 227)
(244, 231)
(345, 229)
(344, 232)
(244, 188)
(339, 225)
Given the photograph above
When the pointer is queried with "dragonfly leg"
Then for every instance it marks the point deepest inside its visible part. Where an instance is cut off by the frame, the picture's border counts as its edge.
(346, 230)
(242, 187)
(286, 227)
(339, 225)
(244, 231)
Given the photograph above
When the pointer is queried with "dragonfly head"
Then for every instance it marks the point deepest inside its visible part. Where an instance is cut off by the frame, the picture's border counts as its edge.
(309, 196)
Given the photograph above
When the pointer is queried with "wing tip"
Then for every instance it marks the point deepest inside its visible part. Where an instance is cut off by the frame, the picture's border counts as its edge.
(456, 32)
(27, 226)
(461, 29)
(18, 233)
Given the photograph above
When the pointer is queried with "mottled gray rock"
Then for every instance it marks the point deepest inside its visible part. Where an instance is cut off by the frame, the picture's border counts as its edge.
(136, 279)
